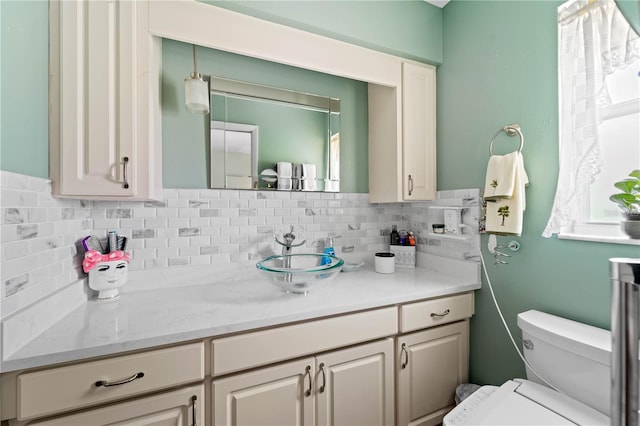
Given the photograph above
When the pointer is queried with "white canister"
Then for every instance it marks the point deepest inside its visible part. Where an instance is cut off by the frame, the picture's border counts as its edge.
(385, 263)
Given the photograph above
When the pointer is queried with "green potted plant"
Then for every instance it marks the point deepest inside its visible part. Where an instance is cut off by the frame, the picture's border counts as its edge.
(629, 201)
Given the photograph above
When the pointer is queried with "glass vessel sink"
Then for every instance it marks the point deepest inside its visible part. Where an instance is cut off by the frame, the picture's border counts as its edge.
(298, 273)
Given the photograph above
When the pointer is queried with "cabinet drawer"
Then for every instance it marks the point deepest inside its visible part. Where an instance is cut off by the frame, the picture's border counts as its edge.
(165, 408)
(429, 313)
(250, 350)
(70, 387)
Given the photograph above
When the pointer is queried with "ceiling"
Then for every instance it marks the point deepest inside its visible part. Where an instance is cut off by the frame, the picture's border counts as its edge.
(439, 3)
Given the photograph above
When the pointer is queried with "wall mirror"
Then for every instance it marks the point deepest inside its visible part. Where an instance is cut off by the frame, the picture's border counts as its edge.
(269, 138)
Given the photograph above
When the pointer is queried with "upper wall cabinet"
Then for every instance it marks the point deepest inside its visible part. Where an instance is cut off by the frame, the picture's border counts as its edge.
(105, 121)
(402, 152)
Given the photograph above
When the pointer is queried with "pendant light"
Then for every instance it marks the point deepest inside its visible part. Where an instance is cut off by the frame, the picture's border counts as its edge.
(196, 90)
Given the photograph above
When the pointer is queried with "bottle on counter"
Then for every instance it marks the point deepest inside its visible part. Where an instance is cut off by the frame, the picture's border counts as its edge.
(394, 237)
(329, 250)
(403, 238)
(411, 240)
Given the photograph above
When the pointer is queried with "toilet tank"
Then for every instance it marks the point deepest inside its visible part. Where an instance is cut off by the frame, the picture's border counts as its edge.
(574, 358)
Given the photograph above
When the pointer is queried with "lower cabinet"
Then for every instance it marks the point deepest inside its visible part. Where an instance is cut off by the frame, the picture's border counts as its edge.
(350, 387)
(430, 364)
(183, 407)
(395, 365)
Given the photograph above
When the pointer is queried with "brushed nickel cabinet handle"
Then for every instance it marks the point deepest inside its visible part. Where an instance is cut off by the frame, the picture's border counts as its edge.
(125, 162)
(193, 410)
(324, 378)
(444, 314)
(410, 184)
(307, 372)
(107, 384)
(404, 364)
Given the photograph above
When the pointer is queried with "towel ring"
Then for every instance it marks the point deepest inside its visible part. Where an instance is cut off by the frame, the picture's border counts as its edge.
(510, 130)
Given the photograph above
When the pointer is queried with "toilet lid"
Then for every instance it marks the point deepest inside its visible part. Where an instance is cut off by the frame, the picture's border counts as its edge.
(521, 402)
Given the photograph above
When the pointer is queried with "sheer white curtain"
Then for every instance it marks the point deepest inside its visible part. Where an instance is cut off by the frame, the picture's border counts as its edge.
(594, 39)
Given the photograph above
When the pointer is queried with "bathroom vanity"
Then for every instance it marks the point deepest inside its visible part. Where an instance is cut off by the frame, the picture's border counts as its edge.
(383, 349)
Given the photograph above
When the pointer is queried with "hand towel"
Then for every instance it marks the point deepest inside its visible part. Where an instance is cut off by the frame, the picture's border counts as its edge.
(504, 214)
(285, 170)
(308, 177)
(500, 179)
(297, 177)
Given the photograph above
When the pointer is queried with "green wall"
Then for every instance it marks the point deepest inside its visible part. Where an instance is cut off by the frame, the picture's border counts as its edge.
(286, 132)
(24, 61)
(500, 67)
(185, 145)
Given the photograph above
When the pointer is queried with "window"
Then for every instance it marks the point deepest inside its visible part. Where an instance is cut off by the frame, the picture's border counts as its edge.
(599, 98)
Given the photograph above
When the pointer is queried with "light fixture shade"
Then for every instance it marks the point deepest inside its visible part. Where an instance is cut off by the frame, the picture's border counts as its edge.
(196, 94)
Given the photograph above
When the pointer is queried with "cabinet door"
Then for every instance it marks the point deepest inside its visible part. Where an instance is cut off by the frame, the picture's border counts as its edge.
(419, 131)
(174, 408)
(103, 103)
(430, 365)
(272, 396)
(355, 386)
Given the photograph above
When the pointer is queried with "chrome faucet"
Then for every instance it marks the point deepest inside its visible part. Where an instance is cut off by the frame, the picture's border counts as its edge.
(287, 245)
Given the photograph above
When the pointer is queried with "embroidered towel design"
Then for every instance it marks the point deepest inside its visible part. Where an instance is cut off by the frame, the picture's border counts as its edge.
(505, 194)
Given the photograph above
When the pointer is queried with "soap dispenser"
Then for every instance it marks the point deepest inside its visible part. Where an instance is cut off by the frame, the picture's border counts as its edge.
(329, 250)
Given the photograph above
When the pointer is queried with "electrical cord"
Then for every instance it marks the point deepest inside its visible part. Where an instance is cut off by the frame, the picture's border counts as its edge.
(504, 322)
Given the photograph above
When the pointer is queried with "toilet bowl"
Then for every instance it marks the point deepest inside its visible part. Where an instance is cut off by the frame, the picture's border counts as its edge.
(572, 357)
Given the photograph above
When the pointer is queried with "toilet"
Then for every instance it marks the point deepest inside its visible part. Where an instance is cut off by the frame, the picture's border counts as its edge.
(573, 357)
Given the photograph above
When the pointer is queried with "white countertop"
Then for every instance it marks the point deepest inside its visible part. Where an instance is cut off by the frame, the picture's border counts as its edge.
(145, 316)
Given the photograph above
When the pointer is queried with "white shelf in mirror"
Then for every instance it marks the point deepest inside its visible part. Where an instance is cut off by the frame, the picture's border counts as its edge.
(448, 207)
(459, 237)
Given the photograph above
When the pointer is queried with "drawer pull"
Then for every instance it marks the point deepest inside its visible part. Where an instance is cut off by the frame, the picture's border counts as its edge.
(106, 384)
(307, 372)
(193, 410)
(444, 314)
(324, 378)
(125, 162)
(404, 363)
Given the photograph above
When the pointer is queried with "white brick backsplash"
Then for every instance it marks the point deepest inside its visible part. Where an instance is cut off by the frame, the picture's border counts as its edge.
(41, 235)
(190, 212)
(220, 258)
(167, 252)
(200, 260)
(156, 263)
(144, 212)
(144, 253)
(155, 242)
(131, 223)
(178, 242)
(177, 202)
(239, 221)
(8, 233)
(153, 222)
(178, 223)
(167, 212)
(105, 223)
(39, 254)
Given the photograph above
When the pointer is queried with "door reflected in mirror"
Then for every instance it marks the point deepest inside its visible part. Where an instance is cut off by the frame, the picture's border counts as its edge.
(234, 155)
(269, 138)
